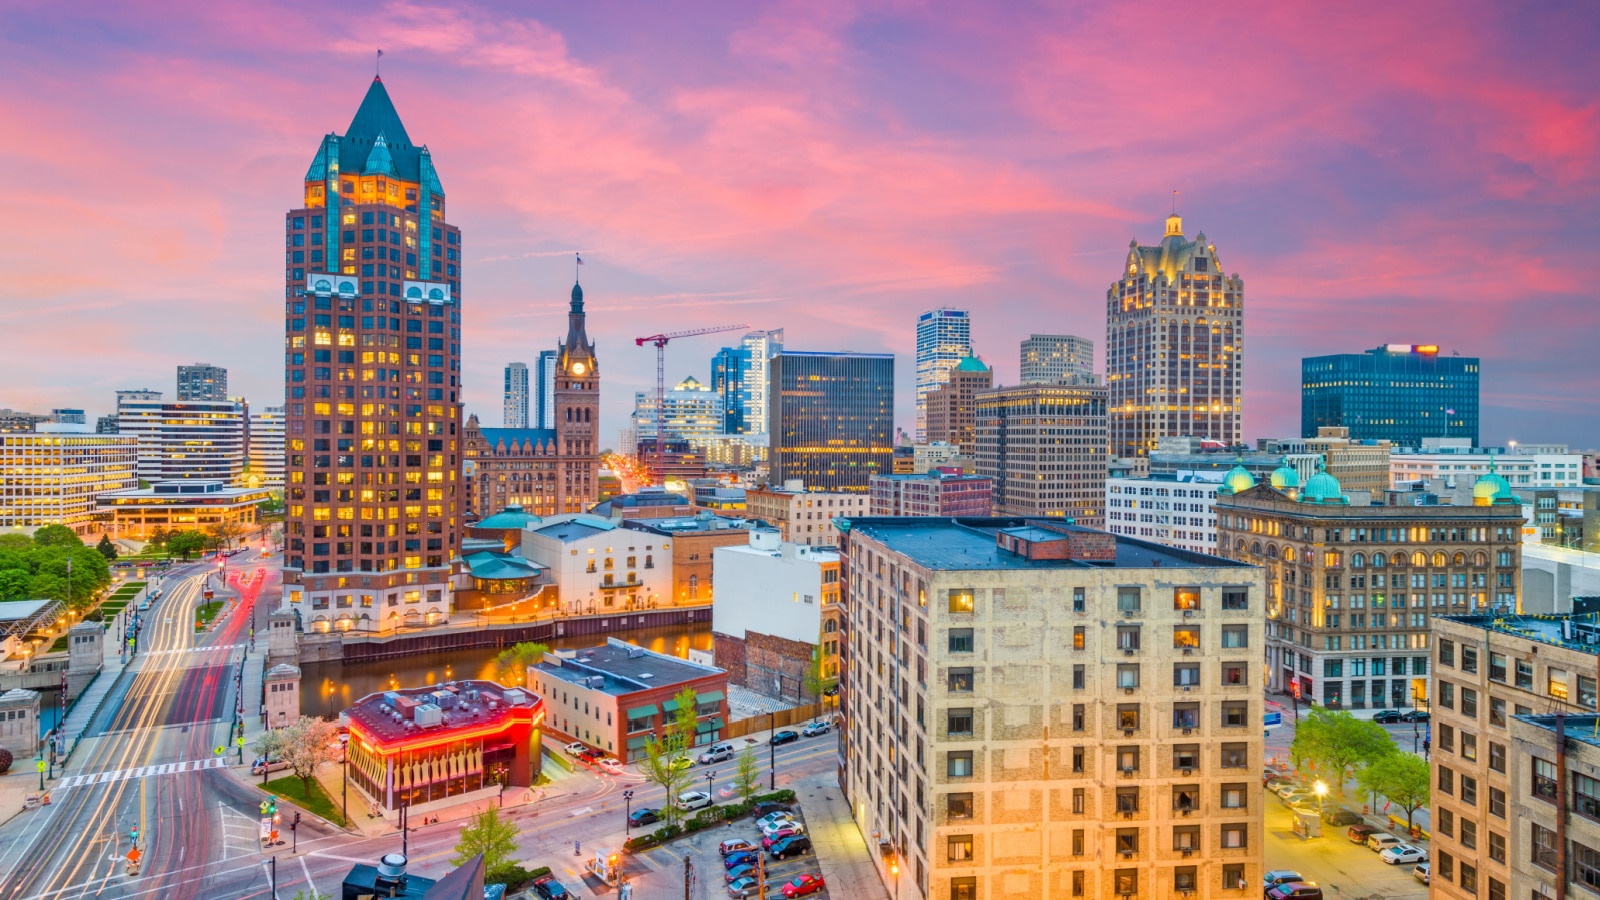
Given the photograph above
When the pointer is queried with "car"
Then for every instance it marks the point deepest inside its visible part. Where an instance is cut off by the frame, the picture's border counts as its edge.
(1296, 798)
(1279, 876)
(644, 816)
(744, 887)
(715, 753)
(692, 800)
(767, 807)
(772, 828)
(739, 858)
(782, 815)
(1290, 787)
(1338, 815)
(1403, 853)
(1295, 890)
(748, 870)
(1414, 715)
(734, 845)
(1359, 832)
(589, 754)
(610, 766)
(801, 885)
(550, 889)
(262, 765)
(784, 737)
(1423, 873)
(680, 763)
(813, 729)
(780, 834)
(796, 845)
(1380, 841)
(1388, 717)
(575, 748)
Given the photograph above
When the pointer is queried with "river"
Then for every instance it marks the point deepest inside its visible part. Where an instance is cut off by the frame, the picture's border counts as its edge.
(328, 688)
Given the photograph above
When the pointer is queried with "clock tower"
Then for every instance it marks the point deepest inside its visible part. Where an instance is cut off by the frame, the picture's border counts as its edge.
(577, 408)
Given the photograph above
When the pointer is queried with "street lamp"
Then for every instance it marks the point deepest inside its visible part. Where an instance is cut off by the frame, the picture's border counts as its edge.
(709, 777)
(627, 799)
(40, 766)
(1320, 788)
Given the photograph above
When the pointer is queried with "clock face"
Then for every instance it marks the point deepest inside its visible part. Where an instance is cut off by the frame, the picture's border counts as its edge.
(579, 368)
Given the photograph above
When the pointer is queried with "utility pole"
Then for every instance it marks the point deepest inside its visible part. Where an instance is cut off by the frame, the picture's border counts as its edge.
(772, 751)
(274, 878)
(688, 875)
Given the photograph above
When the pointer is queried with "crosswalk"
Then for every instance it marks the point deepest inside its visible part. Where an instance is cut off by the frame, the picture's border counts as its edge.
(229, 647)
(194, 765)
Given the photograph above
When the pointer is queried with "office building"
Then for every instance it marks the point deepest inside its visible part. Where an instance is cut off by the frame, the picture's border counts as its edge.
(728, 371)
(618, 696)
(1497, 771)
(1358, 465)
(944, 338)
(515, 414)
(542, 387)
(694, 413)
(1044, 447)
(204, 439)
(927, 457)
(952, 406)
(777, 614)
(1177, 509)
(803, 516)
(68, 417)
(106, 424)
(1354, 585)
(1057, 359)
(372, 314)
(53, 479)
(189, 504)
(13, 421)
(1401, 393)
(761, 346)
(266, 448)
(831, 418)
(1174, 345)
(694, 537)
(202, 381)
(1034, 709)
(600, 565)
(939, 492)
(1526, 469)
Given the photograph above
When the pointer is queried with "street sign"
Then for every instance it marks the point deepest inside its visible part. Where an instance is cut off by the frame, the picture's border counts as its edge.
(135, 855)
(1272, 718)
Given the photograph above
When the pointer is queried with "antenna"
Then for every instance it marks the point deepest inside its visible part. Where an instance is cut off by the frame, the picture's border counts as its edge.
(377, 64)
(1174, 193)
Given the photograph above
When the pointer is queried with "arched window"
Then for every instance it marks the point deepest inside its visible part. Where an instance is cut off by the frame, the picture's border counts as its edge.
(1460, 559)
(694, 587)
(1256, 548)
(1398, 560)
(1358, 560)
(1480, 558)
(1379, 560)
(830, 626)
(1419, 559)
(1272, 551)
(1438, 560)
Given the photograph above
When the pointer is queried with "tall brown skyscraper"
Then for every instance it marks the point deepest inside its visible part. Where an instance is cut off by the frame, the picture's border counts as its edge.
(1174, 345)
(372, 370)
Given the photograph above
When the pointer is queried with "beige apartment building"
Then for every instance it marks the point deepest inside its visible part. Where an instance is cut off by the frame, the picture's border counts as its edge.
(1039, 710)
(802, 516)
(1498, 680)
(1359, 465)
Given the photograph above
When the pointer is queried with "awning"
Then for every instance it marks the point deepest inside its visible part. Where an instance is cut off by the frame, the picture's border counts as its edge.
(708, 696)
(637, 743)
(639, 712)
(670, 705)
(713, 725)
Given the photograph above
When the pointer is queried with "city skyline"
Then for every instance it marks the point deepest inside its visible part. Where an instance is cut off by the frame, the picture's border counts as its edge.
(1492, 142)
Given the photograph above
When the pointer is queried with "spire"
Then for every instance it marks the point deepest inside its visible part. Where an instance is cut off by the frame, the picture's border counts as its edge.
(377, 116)
(380, 161)
(577, 299)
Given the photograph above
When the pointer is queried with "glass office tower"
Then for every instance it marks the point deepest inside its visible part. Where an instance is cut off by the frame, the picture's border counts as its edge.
(1399, 392)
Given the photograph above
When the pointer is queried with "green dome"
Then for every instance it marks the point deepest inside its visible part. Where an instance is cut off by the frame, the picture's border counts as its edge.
(1492, 488)
(1322, 488)
(1285, 477)
(1238, 480)
(971, 364)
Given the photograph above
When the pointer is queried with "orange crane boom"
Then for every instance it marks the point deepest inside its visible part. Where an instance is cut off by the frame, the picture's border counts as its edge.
(660, 341)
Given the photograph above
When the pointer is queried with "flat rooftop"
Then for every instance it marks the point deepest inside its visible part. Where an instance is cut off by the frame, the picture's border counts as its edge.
(970, 544)
(1584, 728)
(1580, 632)
(623, 667)
(388, 716)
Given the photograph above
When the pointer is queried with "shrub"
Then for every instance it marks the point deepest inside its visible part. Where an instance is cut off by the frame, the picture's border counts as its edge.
(513, 875)
(6, 759)
(539, 872)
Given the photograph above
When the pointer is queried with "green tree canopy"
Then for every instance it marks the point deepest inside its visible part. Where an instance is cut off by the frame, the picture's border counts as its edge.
(56, 536)
(511, 666)
(106, 548)
(186, 543)
(489, 835)
(1401, 778)
(1337, 743)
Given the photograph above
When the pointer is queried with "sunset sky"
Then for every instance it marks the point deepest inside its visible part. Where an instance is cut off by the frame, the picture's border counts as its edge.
(1376, 173)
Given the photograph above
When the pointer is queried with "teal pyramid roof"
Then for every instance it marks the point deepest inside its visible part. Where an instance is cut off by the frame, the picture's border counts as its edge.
(379, 161)
(971, 364)
(376, 119)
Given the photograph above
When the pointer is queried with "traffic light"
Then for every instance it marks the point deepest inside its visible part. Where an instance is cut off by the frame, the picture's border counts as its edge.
(272, 806)
(133, 834)
(296, 823)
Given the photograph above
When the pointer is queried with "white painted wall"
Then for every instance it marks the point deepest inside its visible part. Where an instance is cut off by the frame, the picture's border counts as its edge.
(582, 590)
(776, 592)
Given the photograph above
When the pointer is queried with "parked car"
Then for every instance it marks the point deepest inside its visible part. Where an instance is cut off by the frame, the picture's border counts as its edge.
(813, 729)
(1338, 815)
(1388, 717)
(715, 753)
(1290, 787)
(1297, 798)
(739, 858)
(550, 889)
(1414, 715)
(262, 765)
(782, 815)
(785, 832)
(610, 766)
(767, 807)
(575, 748)
(748, 870)
(644, 817)
(801, 885)
(1359, 832)
(797, 845)
(784, 737)
(680, 762)
(1381, 841)
(1403, 853)
(1423, 873)
(744, 887)
(734, 845)
(589, 755)
(772, 828)
(692, 800)
(1274, 780)
(1295, 890)
(1279, 876)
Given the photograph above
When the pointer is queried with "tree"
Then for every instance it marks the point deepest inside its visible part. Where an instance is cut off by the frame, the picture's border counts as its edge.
(159, 535)
(185, 543)
(106, 548)
(14, 584)
(748, 778)
(660, 767)
(489, 835)
(224, 533)
(306, 744)
(511, 666)
(56, 536)
(1337, 743)
(1401, 778)
(816, 678)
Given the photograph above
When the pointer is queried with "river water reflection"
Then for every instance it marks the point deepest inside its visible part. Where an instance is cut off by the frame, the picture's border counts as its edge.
(327, 688)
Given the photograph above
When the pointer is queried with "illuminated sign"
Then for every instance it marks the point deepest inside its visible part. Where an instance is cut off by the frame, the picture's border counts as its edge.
(1427, 349)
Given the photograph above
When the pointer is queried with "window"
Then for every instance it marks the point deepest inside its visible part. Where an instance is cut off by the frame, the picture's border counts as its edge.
(1585, 865)
(1497, 712)
(1469, 878)
(1497, 890)
(1234, 756)
(958, 764)
(1233, 837)
(1078, 602)
(1077, 678)
(1186, 837)
(1469, 790)
(1445, 867)
(1128, 676)
(1447, 780)
(1186, 756)
(1234, 674)
(959, 721)
(1184, 878)
(1185, 797)
(958, 848)
(1586, 796)
(1077, 801)
(961, 640)
(1128, 599)
(1525, 674)
(1586, 691)
(1126, 880)
(961, 600)
(1446, 824)
(1128, 759)
(964, 887)
(1186, 716)
(1127, 800)
(1469, 660)
(1077, 882)
(1186, 598)
(1077, 760)
(1447, 653)
(1469, 834)
(1235, 637)
(1235, 599)
(1447, 738)
(1234, 714)
(1186, 638)
(1128, 637)
(1543, 851)
(960, 681)
(1497, 803)
(1077, 637)
(1497, 847)
(1447, 695)
(1127, 841)
(1077, 844)
(1128, 716)
(1233, 877)
(1544, 779)
(1497, 667)
(958, 806)
(1233, 796)
(1077, 717)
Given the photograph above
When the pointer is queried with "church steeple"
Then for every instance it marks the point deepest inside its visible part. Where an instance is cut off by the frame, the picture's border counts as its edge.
(577, 345)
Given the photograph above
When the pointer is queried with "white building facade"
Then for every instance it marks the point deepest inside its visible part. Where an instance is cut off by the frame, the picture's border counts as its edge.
(515, 413)
(600, 565)
(186, 439)
(266, 448)
(1178, 510)
(777, 609)
(944, 338)
(762, 346)
(54, 478)
(1543, 466)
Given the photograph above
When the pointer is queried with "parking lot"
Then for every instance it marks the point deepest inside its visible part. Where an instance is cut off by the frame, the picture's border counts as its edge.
(1341, 868)
(701, 850)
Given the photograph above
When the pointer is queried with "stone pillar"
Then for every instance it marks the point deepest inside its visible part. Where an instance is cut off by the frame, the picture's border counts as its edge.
(19, 724)
(282, 637)
(282, 686)
(85, 655)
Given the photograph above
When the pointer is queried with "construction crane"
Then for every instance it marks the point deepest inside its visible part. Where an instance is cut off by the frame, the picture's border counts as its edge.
(657, 468)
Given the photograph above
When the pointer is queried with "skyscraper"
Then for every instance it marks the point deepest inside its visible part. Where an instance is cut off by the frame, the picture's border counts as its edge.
(944, 338)
(195, 439)
(762, 347)
(266, 448)
(728, 371)
(516, 396)
(1044, 446)
(952, 406)
(202, 381)
(1401, 393)
(373, 366)
(694, 413)
(831, 418)
(1174, 345)
(543, 390)
(1057, 358)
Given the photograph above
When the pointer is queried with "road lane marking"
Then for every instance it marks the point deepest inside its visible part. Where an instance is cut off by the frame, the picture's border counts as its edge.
(94, 778)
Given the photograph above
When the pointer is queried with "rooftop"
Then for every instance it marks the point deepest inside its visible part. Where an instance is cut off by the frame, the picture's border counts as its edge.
(970, 544)
(1579, 632)
(574, 527)
(23, 616)
(701, 523)
(512, 517)
(1584, 728)
(394, 718)
(511, 437)
(622, 668)
(501, 566)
